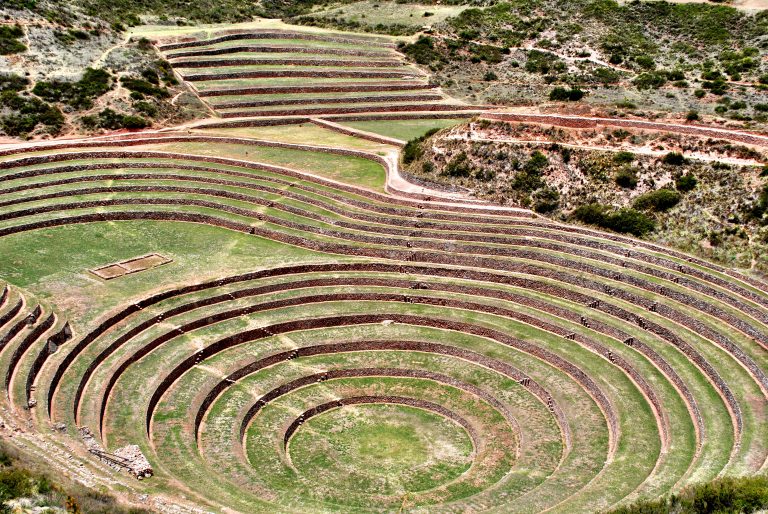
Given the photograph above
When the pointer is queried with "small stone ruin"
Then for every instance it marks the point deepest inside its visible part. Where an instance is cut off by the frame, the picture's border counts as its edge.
(128, 457)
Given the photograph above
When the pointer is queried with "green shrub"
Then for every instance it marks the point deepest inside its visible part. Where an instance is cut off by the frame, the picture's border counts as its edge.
(151, 76)
(659, 200)
(11, 82)
(591, 213)
(27, 114)
(606, 76)
(9, 40)
(629, 221)
(650, 80)
(144, 87)
(80, 94)
(626, 177)
(423, 51)
(134, 122)
(725, 495)
(543, 63)
(146, 108)
(712, 75)
(529, 177)
(692, 116)
(626, 220)
(758, 208)
(486, 53)
(560, 94)
(673, 159)
(623, 157)
(412, 150)
(490, 76)
(458, 166)
(716, 87)
(685, 183)
(546, 199)
(112, 120)
(675, 75)
(15, 483)
(645, 62)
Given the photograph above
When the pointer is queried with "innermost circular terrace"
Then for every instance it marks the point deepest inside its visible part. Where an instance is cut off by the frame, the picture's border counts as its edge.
(381, 448)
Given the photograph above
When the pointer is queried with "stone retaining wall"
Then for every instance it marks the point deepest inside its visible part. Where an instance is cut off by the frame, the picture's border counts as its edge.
(26, 343)
(398, 400)
(20, 325)
(46, 159)
(10, 314)
(335, 88)
(350, 110)
(275, 34)
(522, 253)
(330, 74)
(277, 49)
(554, 360)
(554, 291)
(63, 335)
(376, 345)
(334, 100)
(255, 61)
(333, 248)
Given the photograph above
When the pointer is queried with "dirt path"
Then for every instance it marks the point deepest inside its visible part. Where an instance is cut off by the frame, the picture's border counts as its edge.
(99, 62)
(590, 122)
(624, 148)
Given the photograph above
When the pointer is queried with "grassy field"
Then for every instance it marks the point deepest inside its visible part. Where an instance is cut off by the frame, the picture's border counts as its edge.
(390, 13)
(354, 170)
(63, 278)
(403, 129)
(299, 134)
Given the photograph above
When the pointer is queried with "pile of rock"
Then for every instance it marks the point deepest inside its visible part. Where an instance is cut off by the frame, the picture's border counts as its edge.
(137, 463)
(128, 457)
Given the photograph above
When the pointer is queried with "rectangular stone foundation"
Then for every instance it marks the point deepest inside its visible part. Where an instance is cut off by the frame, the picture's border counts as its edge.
(136, 264)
